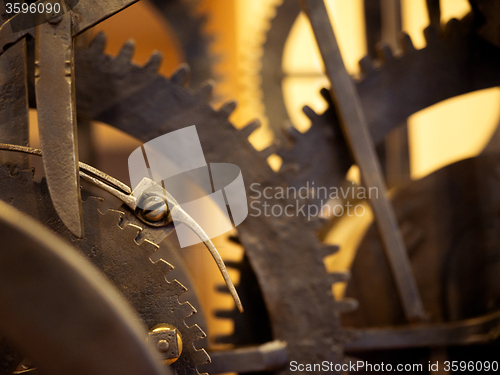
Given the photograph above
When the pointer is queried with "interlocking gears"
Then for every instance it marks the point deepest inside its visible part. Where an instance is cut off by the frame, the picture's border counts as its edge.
(145, 105)
(113, 249)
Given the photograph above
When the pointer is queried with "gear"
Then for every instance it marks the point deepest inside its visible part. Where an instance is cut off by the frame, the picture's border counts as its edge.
(146, 105)
(455, 61)
(114, 250)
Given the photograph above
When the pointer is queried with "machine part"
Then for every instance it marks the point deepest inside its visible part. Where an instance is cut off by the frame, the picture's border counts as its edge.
(270, 356)
(362, 147)
(479, 330)
(114, 243)
(52, 295)
(168, 341)
(115, 92)
(56, 109)
(55, 92)
(14, 106)
(454, 62)
(189, 30)
(144, 200)
(456, 262)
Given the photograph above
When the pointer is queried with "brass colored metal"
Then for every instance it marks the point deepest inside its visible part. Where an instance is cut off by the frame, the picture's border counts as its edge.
(357, 134)
(167, 340)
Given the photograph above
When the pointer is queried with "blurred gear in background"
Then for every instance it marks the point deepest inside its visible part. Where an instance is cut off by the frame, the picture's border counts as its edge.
(294, 274)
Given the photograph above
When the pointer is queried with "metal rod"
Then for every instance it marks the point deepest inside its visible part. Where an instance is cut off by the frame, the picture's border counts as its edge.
(356, 131)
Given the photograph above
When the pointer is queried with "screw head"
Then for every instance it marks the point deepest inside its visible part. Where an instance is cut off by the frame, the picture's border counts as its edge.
(168, 342)
(163, 346)
(155, 208)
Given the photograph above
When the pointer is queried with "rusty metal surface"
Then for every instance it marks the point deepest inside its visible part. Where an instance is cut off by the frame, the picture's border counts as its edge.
(170, 107)
(111, 244)
(60, 311)
(56, 110)
(267, 357)
(14, 127)
(454, 212)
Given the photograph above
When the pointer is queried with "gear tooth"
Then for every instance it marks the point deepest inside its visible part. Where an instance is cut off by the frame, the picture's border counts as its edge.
(204, 93)
(326, 94)
(98, 44)
(196, 332)
(384, 52)
(95, 202)
(406, 43)
(27, 174)
(366, 65)
(146, 246)
(126, 52)
(154, 62)
(176, 287)
(328, 250)
(187, 309)
(228, 108)
(337, 277)
(223, 339)
(181, 76)
(346, 305)
(310, 113)
(221, 288)
(291, 132)
(166, 267)
(431, 35)
(453, 28)
(250, 128)
(201, 357)
(268, 151)
(235, 239)
(224, 314)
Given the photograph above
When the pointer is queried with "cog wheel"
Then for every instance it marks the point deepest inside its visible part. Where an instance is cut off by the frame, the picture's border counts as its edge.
(117, 249)
(143, 104)
(190, 30)
(452, 217)
(455, 61)
(60, 310)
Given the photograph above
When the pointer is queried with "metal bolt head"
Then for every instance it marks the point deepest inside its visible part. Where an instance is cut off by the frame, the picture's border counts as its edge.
(154, 208)
(168, 342)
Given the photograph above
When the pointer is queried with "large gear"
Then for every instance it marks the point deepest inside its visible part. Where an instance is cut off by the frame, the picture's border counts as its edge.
(146, 105)
(114, 250)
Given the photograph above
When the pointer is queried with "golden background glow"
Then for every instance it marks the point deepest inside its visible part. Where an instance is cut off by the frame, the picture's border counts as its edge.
(447, 132)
